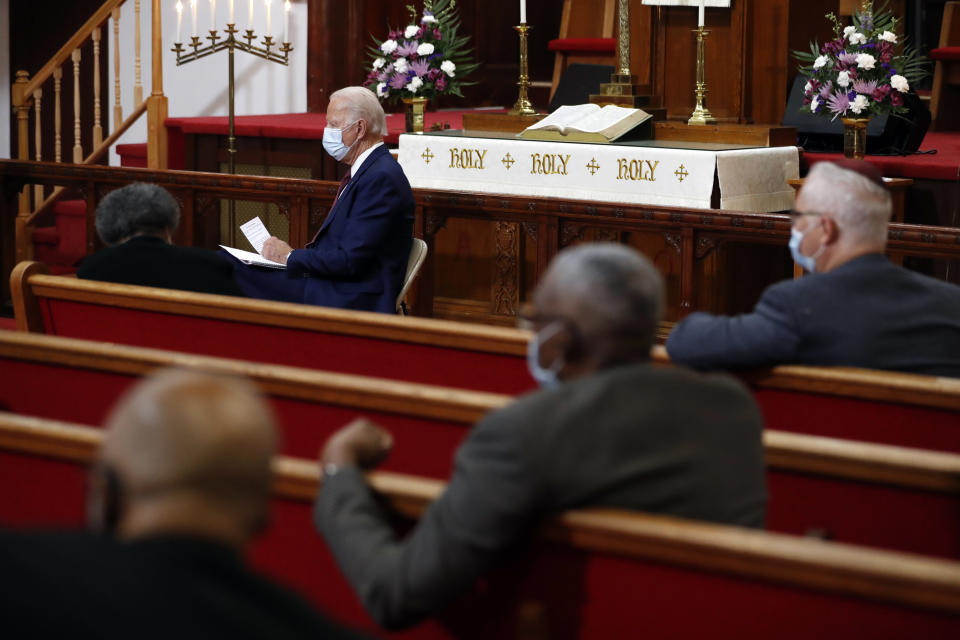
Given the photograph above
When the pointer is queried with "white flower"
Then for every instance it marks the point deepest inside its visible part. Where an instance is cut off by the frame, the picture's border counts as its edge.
(859, 103)
(843, 79)
(806, 87)
(414, 84)
(819, 63)
(900, 83)
(889, 36)
(857, 38)
(378, 63)
(410, 31)
(448, 67)
(866, 61)
(400, 65)
(388, 47)
(382, 89)
(814, 103)
(428, 18)
(848, 30)
(425, 49)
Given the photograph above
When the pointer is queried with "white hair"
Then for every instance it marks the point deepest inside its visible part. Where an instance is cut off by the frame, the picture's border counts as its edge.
(611, 290)
(859, 206)
(362, 104)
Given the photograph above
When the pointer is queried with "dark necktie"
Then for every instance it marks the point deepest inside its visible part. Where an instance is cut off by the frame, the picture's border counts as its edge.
(343, 185)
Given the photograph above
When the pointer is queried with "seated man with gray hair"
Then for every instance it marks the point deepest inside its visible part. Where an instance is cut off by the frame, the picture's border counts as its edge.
(855, 308)
(137, 223)
(607, 429)
(358, 257)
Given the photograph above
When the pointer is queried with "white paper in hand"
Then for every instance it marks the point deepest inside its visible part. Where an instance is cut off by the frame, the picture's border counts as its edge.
(256, 233)
(247, 257)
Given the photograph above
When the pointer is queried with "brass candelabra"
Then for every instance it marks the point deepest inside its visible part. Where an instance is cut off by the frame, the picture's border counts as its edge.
(272, 51)
(523, 106)
(701, 115)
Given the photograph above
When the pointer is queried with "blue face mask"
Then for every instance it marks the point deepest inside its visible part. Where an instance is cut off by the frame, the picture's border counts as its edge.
(807, 262)
(333, 141)
(545, 377)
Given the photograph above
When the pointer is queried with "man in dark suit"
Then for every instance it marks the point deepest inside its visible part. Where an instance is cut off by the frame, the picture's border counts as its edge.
(136, 222)
(607, 429)
(181, 487)
(358, 258)
(854, 309)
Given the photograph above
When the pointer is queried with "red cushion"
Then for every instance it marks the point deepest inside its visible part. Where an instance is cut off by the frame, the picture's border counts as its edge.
(593, 45)
(945, 53)
(75, 208)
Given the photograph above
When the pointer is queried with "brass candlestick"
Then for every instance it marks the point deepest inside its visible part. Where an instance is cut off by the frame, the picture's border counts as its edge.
(269, 51)
(701, 115)
(523, 107)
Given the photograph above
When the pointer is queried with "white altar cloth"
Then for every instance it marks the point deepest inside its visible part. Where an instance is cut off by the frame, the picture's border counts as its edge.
(752, 179)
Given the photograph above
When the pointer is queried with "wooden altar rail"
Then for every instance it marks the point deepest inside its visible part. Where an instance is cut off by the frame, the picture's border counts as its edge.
(27, 97)
(857, 492)
(805, 584)
(552, 223)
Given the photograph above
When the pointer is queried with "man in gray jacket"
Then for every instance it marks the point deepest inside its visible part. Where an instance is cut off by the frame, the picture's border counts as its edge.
(606, 429)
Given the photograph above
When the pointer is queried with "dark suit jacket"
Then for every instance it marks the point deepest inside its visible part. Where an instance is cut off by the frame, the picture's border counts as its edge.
(662, 440)
(865, 313)
(359, 258)
(151, 262)
(78, 585)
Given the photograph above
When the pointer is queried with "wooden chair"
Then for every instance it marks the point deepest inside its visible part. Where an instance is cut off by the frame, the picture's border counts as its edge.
(850, 491)
(597, 573)
(586, 36)
(945, 95)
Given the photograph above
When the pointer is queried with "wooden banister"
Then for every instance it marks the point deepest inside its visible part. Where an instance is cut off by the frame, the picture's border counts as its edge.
(74, 43)
(890, 577)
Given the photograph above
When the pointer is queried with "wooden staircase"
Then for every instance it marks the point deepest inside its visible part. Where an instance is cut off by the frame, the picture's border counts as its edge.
(52, 224)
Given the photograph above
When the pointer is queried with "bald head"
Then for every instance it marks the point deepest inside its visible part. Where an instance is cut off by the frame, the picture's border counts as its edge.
(859, 205)
(611, 294)
(360, 103)
(189, 447)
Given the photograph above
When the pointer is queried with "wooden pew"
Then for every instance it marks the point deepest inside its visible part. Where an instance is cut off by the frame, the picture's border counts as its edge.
(874, 406)
(848, 491)
(587, 574)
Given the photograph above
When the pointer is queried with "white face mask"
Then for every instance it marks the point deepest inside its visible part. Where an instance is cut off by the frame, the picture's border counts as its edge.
(806, 262)
(333, 141)
(545, 377)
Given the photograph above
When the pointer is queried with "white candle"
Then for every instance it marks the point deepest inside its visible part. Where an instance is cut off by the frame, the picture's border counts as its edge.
(193, 12)
(700, 16)
(179, 21)
(286, 21)
(213, 14)
(269, 27)
(523, 11)
(231, 12)
(250, 17)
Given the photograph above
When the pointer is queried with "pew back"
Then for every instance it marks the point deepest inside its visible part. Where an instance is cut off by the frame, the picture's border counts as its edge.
(587, 574)
(850, 491)
(874, 406)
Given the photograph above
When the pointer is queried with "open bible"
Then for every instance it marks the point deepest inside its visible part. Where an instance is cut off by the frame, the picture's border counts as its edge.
(256, 232)
(590, 123)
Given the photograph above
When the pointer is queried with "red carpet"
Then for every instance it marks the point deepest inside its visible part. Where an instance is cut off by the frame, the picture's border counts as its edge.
(942, 165)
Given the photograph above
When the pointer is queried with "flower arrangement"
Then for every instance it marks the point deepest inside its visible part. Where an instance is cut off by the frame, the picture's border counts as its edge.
(860, 73)
(424, 59)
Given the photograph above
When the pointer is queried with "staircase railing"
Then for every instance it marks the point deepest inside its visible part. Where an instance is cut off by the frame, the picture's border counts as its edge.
(28, 99)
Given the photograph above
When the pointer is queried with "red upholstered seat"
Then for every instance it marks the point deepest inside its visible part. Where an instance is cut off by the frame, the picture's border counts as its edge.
(593, 45)
(945, 53)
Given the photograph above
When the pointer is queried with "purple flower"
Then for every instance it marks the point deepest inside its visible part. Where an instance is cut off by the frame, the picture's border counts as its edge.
(398, 81)
(408, 48)
(433, 73)
(395, 35)
(880, 93)
(437, 35)
(896, 98)
(847, 58)
(865, 87)
(420, 68)
(826, 89)
(441, 83)
(851, 95)
(838, 103)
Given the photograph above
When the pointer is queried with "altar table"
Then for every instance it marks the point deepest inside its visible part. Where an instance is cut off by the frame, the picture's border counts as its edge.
(696, 175)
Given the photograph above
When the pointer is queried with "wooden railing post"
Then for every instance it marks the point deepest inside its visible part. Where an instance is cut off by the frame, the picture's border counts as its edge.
(157, 102)
(97, 127)
(21, 104)
(77, 146)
